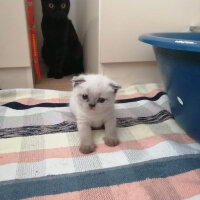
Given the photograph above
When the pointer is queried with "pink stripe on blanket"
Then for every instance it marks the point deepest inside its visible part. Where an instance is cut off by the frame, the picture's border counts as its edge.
(73, 151)
(177, 187)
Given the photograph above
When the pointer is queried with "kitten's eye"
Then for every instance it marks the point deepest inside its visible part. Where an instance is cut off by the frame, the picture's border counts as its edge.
(63, 5)
(101, 100)
(85, 97)
(51, 5)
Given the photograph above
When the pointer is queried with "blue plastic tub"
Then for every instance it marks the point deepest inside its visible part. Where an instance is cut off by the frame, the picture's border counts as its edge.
(178, 56)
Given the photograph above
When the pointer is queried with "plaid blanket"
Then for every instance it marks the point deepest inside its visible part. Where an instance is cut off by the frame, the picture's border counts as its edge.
(40, 160)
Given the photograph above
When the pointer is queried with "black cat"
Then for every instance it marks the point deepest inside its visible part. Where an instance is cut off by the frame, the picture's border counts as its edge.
(61, 49)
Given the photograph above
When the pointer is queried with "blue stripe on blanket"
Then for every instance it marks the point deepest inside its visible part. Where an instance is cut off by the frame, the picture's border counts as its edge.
(68, 126)
(154, 98)
(19, 106)
(160, 168)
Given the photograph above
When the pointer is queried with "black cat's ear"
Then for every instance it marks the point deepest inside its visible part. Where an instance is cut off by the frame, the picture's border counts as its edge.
(77, 80)
(115, 86)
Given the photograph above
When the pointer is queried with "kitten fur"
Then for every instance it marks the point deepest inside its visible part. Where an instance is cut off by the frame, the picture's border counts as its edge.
(92, 103)
(61, 51)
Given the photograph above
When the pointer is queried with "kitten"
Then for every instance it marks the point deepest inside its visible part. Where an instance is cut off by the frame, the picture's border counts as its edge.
(92, 102)
(61, 51)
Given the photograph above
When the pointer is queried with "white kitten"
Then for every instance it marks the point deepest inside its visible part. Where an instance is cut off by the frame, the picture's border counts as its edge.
(92, 102)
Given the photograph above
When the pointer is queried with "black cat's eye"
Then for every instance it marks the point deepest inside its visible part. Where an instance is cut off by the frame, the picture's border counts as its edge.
(63, 5)
(101, 100)
(85, 96)
(51, 5)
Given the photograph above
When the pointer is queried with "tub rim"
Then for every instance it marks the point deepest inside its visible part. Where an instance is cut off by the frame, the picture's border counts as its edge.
(172, 40)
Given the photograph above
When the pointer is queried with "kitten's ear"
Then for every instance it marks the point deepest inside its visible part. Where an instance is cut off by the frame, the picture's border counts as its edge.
(115, 86)
(77, 80)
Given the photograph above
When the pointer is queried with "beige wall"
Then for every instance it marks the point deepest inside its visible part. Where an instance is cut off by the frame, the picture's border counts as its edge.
(123, 21)
(130, 73)
(14, 40)
(16, 77)
(15, 54)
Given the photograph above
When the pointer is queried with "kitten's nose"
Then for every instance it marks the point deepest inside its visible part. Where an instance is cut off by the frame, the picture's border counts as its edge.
(92, 105)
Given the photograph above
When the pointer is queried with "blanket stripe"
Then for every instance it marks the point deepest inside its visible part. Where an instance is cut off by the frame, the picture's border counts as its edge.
(108, 160)
(68, 126)
(33, 101)
(65, 115)
(72, 151)
(114, 176)
(20, 106)
(65, 98)
(32, 110)
(52, 141)
(40, 157)
(168, 188)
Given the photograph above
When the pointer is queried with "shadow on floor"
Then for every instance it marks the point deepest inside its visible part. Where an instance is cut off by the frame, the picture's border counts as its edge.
(63, 84)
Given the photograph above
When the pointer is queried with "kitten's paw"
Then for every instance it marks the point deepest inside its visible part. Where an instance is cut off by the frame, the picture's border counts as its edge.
(111, 142)
(86, 149)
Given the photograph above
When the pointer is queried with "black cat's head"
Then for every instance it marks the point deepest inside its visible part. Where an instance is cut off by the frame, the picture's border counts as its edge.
(56, 9)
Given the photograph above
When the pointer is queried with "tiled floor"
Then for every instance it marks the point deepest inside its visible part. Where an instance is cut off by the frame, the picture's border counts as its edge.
(63, 84)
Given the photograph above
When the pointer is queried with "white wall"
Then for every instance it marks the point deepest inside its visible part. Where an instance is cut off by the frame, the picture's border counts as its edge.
(86, 15)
